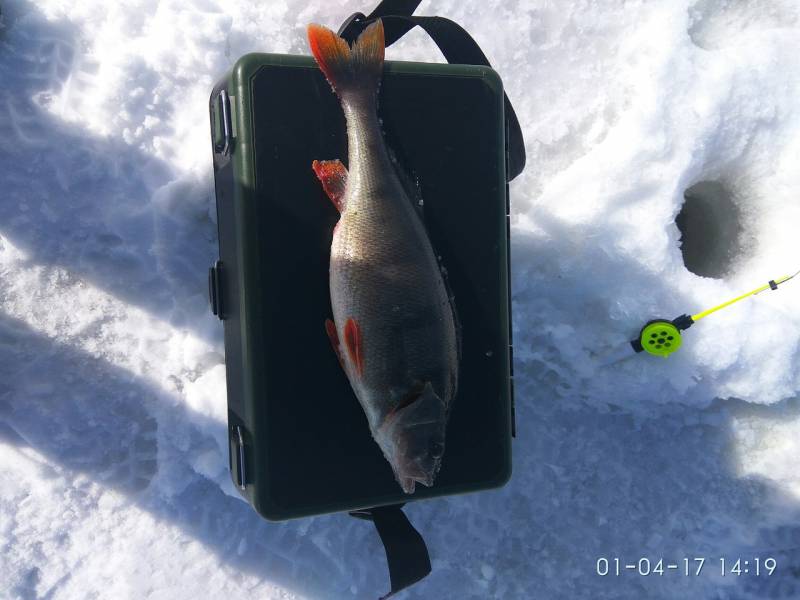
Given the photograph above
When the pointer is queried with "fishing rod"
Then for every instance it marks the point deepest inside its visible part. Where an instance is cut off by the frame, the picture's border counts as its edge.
(662, 337)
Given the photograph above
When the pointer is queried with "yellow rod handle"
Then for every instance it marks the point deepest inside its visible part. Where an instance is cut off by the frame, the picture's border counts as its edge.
(705, 313)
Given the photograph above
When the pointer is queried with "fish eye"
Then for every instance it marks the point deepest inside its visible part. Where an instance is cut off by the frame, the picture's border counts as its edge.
(436, 448)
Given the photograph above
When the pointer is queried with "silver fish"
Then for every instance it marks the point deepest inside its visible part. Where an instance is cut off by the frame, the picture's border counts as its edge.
(394, 326)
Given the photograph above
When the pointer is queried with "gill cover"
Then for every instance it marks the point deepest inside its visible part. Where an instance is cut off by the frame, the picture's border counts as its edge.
(412, 439)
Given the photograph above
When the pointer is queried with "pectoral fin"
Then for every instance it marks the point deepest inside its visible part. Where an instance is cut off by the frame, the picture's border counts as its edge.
(333, 336)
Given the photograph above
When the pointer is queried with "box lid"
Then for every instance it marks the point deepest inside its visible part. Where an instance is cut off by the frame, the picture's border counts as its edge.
(308, 448)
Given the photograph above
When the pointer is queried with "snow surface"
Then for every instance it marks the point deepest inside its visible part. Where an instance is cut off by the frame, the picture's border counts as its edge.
(113, 480)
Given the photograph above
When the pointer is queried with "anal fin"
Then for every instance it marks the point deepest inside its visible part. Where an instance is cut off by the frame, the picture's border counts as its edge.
(333, 176)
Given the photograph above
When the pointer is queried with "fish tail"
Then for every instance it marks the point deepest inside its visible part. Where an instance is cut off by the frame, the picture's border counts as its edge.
(349, 69)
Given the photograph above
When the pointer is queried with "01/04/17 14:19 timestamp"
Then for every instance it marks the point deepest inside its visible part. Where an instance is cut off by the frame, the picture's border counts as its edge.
(690, 567)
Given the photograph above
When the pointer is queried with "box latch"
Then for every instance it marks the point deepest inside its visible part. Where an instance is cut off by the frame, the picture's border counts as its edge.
(215, 289)
(223, 126)
(237, 457)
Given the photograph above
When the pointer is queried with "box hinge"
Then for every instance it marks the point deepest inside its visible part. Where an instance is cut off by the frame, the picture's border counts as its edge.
(215, 289)
(513, 404)
(508, 275)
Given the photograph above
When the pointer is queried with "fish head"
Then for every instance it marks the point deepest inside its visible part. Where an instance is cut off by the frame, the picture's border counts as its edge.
(412, 438)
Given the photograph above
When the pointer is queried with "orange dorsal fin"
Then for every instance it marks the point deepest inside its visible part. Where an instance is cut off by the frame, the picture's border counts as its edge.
(333, 176)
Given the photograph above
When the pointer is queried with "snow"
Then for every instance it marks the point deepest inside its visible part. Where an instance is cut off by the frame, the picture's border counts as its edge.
(113, 455)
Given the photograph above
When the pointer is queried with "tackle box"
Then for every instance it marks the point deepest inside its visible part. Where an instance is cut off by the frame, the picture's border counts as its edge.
(299, 440)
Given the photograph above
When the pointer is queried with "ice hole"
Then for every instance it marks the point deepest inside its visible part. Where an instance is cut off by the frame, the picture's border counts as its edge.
(711, 229)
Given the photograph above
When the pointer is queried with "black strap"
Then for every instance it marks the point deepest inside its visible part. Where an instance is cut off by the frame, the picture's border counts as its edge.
(456, 45)
(406, 552)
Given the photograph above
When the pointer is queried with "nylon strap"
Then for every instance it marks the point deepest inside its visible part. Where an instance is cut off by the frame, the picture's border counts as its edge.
(456, 45)
(406, 552)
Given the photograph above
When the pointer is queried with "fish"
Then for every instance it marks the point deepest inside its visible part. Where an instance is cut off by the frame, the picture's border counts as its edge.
(394, 327)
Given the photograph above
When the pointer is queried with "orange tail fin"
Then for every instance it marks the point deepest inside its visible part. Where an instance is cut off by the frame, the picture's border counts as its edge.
(349, 69)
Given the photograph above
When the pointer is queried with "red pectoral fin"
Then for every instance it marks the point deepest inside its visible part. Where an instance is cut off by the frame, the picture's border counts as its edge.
(354, 344)
(333, 336)
(333, 176)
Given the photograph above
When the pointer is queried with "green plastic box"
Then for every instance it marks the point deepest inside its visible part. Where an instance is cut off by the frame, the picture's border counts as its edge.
(299, 441)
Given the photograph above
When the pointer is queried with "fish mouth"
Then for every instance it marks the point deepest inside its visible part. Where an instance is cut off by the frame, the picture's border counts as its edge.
(409, 483)
(412, 472)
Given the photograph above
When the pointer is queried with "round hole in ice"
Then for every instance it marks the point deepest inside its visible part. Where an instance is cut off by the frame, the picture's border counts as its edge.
(710, 223)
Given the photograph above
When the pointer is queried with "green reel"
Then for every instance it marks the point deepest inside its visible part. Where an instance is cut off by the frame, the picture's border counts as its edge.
(660, 338)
